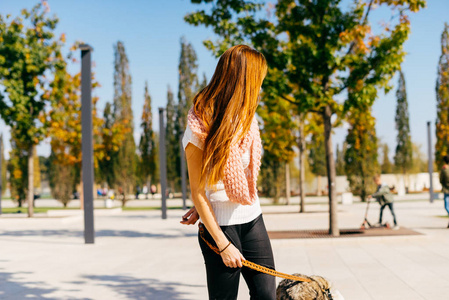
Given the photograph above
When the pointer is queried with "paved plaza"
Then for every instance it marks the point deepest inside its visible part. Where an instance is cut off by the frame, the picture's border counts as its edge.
(137, 255)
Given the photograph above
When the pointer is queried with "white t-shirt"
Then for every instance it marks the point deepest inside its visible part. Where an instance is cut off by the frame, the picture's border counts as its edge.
(226, 211)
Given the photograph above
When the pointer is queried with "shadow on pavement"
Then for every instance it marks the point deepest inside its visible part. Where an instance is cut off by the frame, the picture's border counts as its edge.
(13, 289)
(138, 288)
(98, 233)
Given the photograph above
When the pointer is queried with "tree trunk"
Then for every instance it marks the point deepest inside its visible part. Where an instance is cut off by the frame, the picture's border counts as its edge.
(302, 170)
(287, 183)
(331, 172)
(30, 195)
(81, 190)
(318, 186)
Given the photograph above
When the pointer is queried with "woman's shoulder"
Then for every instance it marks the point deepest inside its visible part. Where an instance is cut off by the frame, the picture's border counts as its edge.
(191, 137)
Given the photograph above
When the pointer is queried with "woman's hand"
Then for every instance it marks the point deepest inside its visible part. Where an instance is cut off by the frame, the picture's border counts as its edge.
(232, 257)
(190, 217)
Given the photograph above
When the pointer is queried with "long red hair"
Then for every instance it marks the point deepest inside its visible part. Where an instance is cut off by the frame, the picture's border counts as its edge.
(227, 106)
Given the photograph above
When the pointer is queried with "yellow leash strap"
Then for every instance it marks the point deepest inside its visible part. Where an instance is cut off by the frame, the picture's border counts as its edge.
(252, 265)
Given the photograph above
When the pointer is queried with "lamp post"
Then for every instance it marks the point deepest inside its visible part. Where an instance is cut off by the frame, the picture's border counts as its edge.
(162, 163)
(1, 173)
(87, 143)
(183, 175)
(429, 140)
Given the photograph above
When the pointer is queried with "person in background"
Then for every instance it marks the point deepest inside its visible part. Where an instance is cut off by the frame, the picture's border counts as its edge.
(444, 180)
(145, 191)
(153, 190)
(137, 192)
(385, 198)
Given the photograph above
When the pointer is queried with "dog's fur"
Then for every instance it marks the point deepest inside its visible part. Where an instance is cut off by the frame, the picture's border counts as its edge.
(295, 290)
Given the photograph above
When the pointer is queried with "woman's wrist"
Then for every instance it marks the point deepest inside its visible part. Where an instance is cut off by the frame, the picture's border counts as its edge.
(223, 249)
(222, 242)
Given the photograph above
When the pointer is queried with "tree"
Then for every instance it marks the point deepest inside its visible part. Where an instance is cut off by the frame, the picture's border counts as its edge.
(340, 161)
(4, 166)
(26, 55)
(403, 157)
(386, 166)
(37, 172)
(61, 179)
(172, 142)
(278, 139)
(63, 121)
(203, 83)
(111, 136)
(187, 88)
(105, 171)
(44, 166)
(315, 51)
(147, 143)
(124, 160)
(361, 162)
(271, 176)
(442, 92)
(419, 160)
(188, 83)
(17, 168)
(316, 149)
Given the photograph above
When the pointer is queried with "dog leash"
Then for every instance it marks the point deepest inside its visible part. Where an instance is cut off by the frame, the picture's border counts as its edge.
(263, 269)
(252, 265)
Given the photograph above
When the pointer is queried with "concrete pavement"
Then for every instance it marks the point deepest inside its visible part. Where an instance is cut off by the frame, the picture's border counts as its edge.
(137, 255)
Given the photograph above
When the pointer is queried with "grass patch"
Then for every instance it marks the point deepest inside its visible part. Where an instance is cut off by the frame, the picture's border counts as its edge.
(149, 208)
(13, 210)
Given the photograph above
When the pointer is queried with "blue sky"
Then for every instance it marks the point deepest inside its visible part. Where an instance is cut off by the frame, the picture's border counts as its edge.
(151, 31)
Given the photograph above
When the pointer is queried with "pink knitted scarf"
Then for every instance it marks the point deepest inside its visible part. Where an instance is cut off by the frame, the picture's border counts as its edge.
(240, 186)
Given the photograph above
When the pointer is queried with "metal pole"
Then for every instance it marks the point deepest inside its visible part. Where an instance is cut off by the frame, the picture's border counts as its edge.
(183, 175)
(429, 139)
(86, 143)
(162, 163)
(1, 171)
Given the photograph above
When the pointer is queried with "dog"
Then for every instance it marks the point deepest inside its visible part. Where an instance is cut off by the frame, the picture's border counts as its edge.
(318, 288)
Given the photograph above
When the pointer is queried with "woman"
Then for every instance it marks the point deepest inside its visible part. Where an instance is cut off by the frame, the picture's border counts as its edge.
(223, 150)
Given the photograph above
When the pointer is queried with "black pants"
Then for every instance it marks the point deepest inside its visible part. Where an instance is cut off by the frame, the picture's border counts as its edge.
(252, 241)
(390, 206)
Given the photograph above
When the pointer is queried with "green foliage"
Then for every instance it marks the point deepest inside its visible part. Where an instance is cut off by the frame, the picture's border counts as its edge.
(442, 92)
(317, 154)
(28, 50)
(4, 164)
(420, 162)
(17, 168)
(278, 132)
(403, 157)
(316, 50)
(61, 179)
(26, 53)
(188, 83)
(105, 171)
(361, 162)
(124, 165)
(203, 83)
(147, 143)
(340, 161)
(187, 88)
(278, 138)
(386, 166)
(311, 45)
(156, 155)
(272, 176)
(172, 143)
